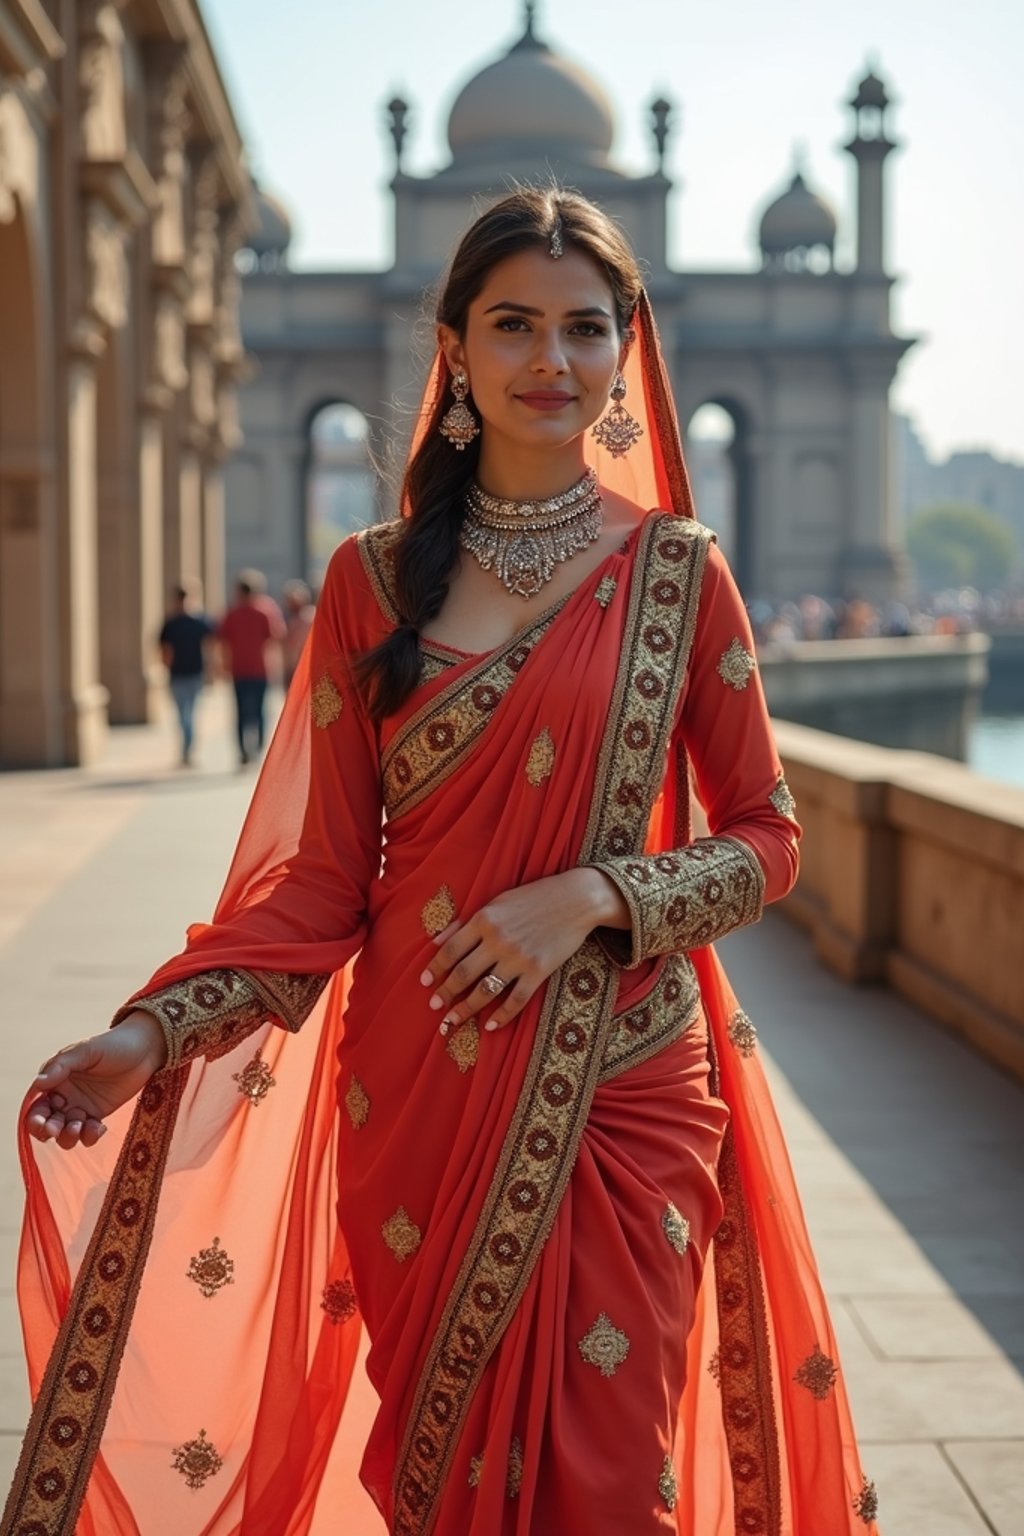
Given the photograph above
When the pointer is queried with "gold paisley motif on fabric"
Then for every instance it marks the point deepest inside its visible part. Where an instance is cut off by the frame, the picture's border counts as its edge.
(438, 912)
(325, 703)
(572, 1033)
(437, 737)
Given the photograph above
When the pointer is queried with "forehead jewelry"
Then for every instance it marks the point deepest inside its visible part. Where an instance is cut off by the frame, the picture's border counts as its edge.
(556, 248)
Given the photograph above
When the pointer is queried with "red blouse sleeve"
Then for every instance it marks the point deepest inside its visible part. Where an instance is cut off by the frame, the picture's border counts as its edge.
(697, 894)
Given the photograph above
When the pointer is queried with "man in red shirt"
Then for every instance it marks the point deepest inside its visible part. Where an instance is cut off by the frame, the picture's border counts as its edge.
(250, 627)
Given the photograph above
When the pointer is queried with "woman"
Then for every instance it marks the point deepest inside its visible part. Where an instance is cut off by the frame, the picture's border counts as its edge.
(563, 1208)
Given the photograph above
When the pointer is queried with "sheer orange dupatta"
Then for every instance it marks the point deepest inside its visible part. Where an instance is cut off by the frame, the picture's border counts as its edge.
(254, 1393)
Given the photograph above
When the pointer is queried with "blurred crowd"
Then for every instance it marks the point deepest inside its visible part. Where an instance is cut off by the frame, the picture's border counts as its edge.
(255, 643)
(954, 612)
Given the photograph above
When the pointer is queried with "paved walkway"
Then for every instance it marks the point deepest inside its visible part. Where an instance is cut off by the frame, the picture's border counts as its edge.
(908, 1147)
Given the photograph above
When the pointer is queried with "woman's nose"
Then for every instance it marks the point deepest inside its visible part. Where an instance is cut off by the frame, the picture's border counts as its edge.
(549, 354)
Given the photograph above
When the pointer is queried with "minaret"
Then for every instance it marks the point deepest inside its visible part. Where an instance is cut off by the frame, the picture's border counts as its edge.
(870, 147)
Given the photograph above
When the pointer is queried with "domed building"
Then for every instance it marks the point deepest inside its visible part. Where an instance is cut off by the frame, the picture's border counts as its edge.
(798, 355)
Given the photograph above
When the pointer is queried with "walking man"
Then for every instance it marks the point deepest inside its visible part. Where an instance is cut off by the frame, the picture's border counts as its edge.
(251, 626)
(184, 640)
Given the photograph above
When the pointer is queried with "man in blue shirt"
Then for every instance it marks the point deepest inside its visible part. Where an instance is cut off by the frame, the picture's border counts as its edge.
(183, 641)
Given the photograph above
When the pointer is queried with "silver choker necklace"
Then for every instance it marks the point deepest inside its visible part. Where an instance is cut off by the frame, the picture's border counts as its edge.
(523, 541)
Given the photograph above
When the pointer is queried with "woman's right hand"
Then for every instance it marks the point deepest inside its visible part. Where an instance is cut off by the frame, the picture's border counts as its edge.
(84, 1083)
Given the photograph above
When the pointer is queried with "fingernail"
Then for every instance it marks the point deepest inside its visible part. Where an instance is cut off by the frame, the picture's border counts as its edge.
(102, 1130)
(436, 1002)
(491, 1025)
(444, 1027)
(75, 1126)
(426, 979)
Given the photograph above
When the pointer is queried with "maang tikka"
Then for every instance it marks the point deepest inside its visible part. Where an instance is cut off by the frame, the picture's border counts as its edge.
(458, 424)
(618, 431)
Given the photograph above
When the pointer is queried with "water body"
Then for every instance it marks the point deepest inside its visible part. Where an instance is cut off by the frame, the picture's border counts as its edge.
(996, 748)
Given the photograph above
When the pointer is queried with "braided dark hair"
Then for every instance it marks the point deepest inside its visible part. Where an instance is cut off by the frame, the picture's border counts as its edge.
(437, 478)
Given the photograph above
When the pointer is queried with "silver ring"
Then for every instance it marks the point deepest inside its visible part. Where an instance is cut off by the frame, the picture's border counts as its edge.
(493, 984)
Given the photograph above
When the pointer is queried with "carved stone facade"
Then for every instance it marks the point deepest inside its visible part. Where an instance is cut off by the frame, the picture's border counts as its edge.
(800, 355)
(123, 199)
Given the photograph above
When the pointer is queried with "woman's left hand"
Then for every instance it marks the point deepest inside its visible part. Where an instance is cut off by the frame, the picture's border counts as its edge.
(522, 937)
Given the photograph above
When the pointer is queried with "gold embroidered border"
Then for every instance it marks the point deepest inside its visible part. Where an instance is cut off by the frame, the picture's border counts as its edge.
(540, 1146)
(440, 734)
(744, 1359)
(667, 1012)
(376, 547)
(67, 1421)
(684, 899)
(210, 1013)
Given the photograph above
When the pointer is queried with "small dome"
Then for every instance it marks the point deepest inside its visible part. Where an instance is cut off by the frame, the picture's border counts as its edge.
(531, 100)
(273, 234)
(798, 220)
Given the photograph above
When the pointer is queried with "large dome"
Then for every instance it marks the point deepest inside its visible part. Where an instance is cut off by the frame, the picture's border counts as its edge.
(798, 220)
(531, 101)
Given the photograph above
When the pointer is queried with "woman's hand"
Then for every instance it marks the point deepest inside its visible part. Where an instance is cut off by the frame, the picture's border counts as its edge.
(84, 1083)
(522, 937)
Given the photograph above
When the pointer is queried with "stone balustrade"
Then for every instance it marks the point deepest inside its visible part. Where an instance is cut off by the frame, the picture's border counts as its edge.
(913, 875)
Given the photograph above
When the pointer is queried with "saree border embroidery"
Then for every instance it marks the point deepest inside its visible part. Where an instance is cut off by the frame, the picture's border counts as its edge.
(441, 733)
(744, 1359)
(539, 1151)
(667, 1012)
(71, 1409)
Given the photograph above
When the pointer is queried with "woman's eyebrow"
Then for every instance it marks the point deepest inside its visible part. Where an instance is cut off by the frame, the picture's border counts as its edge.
(570, 314)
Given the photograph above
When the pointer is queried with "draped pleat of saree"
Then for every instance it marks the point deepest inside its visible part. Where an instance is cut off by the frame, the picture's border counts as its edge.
(575, 1243)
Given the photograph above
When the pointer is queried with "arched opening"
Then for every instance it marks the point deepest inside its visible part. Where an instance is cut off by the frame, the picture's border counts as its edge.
(29, 727)
(340, 483)
(719, 461)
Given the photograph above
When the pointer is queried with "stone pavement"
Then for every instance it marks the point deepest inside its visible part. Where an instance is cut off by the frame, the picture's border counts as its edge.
(909, 1149)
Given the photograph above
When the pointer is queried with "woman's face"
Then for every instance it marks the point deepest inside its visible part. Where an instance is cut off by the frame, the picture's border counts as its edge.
(541, 347)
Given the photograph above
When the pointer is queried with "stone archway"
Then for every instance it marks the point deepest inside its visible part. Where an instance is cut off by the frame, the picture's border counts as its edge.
(720, 461)
(339, 484)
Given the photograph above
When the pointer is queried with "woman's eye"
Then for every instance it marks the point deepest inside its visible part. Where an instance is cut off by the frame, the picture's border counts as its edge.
(512, 322)
(589, 328)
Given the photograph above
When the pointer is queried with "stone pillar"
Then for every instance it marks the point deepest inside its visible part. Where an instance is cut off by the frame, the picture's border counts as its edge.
(870, 566)
(214, 572)
(84, 697)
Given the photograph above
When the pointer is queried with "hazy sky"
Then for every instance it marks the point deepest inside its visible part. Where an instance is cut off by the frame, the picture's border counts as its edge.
(309, 81)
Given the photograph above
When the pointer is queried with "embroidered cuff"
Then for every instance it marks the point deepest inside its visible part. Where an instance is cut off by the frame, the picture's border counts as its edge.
(209, 1014)
(683, 899)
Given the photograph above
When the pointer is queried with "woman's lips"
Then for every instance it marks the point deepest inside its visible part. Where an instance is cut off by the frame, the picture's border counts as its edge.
(543, 400)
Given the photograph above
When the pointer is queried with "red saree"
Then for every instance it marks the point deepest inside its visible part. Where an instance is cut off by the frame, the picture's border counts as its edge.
(575, 1244)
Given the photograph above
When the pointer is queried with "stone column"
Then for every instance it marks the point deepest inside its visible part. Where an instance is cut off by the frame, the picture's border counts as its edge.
(84, 697)
(870, 566)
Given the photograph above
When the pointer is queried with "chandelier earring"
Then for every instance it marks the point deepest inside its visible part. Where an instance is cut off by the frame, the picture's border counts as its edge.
(458, 424)
(618, 431)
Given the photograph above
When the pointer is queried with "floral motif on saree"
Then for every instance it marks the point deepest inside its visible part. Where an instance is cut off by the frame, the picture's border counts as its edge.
(255, 1080)
(211, 1269)
(604, 1346)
